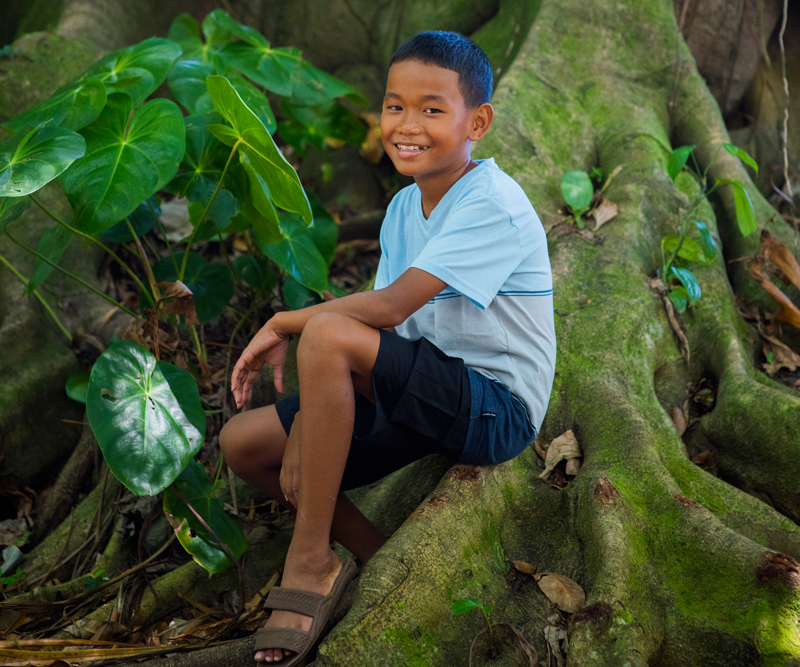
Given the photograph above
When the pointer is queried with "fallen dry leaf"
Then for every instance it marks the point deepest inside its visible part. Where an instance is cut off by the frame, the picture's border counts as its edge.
(182, 301)
(562, 592)
(524, 567)
(564, 447)
(555, 635)
(778, 354)
(789, 312)
(777, 253)
(605, 210)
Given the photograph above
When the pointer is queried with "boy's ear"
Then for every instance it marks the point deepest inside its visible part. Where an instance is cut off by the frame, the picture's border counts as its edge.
(482, 119)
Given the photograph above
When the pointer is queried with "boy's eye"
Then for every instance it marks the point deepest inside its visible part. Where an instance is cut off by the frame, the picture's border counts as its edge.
(433, 110)
(392, 107)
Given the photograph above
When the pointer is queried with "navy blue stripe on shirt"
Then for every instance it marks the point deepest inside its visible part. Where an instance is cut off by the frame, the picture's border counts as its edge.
(441, 297)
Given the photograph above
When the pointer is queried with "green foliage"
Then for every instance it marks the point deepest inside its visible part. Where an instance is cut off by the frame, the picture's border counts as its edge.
(680, 283)
(92, 581)
(77, 386)
(29, 162)
(577, 188)
(11, 579)
(113, 150)
(146, 415)
(193, 487)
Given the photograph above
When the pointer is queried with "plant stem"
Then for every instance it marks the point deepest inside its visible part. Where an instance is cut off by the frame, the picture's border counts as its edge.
(38, 296)
(489, 625)
(205, 210)
(91, 238)
(147, 268)
(71, 275)
(198, 347)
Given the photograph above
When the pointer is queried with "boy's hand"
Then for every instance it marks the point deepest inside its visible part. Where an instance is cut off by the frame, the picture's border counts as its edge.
(269, 346)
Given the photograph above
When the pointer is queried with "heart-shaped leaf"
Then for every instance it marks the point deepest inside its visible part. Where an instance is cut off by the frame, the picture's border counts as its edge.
(297, 254)
(262, 214)
(136, 70)
(223, 26)
(296, 296)
(77, 386)
(73, 106)
(254, 139)
(707, 242)
(146, 416)
(52, 245)
(328, 120)
(577, 188)
(187, 81)
(210, 283)
(324, 231)
(30, 161)
(677, 160)
(127, 160)
(256, 272)
(688, 281)
(195, 488)
(203, 161)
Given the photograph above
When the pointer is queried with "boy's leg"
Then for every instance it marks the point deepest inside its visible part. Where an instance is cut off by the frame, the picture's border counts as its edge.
(253, 443)
(336, 356)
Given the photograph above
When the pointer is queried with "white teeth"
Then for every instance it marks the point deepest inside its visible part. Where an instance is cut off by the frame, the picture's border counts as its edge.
(406, 147)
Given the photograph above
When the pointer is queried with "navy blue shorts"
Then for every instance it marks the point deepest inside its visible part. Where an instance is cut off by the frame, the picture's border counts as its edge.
(422, 406)
(426, 402)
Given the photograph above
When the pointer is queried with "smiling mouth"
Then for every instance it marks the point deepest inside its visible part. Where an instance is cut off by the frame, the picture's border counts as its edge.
(411, 147)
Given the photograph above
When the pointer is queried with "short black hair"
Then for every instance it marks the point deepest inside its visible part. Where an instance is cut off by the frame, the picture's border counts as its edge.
(455, 52)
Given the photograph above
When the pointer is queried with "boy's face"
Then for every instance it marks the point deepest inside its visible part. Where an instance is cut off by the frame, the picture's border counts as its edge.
(426, 127)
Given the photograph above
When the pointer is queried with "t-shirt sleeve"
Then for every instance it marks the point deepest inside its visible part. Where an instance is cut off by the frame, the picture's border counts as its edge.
(476, 250)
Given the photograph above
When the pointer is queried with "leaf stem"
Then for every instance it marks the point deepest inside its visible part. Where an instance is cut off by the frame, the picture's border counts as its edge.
(91, 238)
(489, 625)
(147, 268)
(71, 275)
(38, 296)
(205, 210)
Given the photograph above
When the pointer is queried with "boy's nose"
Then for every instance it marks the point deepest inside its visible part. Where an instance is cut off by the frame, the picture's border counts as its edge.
(408, 125)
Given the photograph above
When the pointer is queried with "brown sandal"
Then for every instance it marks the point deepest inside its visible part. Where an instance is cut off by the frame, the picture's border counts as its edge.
(319, 607)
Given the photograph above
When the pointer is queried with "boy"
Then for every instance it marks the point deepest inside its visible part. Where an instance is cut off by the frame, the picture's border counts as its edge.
(464, 277)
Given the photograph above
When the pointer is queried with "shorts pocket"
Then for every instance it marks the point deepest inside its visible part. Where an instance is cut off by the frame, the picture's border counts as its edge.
(430, 401)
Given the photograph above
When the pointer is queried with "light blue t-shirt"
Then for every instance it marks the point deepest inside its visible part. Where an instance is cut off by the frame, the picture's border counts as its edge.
(486, 242)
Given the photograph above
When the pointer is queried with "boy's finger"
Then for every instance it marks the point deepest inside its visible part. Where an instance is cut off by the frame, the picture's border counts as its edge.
(279, 378)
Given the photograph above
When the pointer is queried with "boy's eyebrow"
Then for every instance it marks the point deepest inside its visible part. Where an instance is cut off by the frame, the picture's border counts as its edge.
(425, 98)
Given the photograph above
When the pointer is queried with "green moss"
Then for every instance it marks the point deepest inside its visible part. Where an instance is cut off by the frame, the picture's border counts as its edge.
(415, 653)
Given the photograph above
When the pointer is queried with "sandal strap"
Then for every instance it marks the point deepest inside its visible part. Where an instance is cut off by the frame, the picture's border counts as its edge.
(293, 640)
(294, 599)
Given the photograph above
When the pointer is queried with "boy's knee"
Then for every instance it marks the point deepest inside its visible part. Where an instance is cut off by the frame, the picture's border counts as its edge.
(325, 331)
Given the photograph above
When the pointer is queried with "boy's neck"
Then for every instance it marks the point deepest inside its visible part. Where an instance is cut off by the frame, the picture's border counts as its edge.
(434, 188)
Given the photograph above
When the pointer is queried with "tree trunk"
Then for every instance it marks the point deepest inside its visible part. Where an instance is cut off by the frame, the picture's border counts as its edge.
(679, 567)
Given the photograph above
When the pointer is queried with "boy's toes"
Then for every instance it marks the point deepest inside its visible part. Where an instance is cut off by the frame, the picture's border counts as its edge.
(271, 655)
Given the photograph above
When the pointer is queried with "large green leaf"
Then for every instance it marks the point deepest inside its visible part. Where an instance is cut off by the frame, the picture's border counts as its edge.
(146, 416)
(256, 272)
(195, 488)
(127, 160)
(223, 27)
(187, 81)
(73, 106)
(52, 245)
(297, 254)
(30, 161)
(210, 283)
(262, 213)
(325, 231)
(280, 178)
(677, 160)
(689, 249)
(577, 188)
(136, 70)
(745, 213)
(297, 296)
(11, 208)
(328, 120)
(203, 160)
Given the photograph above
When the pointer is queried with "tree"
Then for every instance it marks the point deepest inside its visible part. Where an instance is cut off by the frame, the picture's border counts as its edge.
(679, 566)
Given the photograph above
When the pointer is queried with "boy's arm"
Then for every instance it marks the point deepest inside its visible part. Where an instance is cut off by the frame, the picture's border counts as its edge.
(380, 309)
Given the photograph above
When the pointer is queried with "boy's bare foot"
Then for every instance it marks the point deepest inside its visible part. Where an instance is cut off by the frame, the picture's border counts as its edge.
(316, 574)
